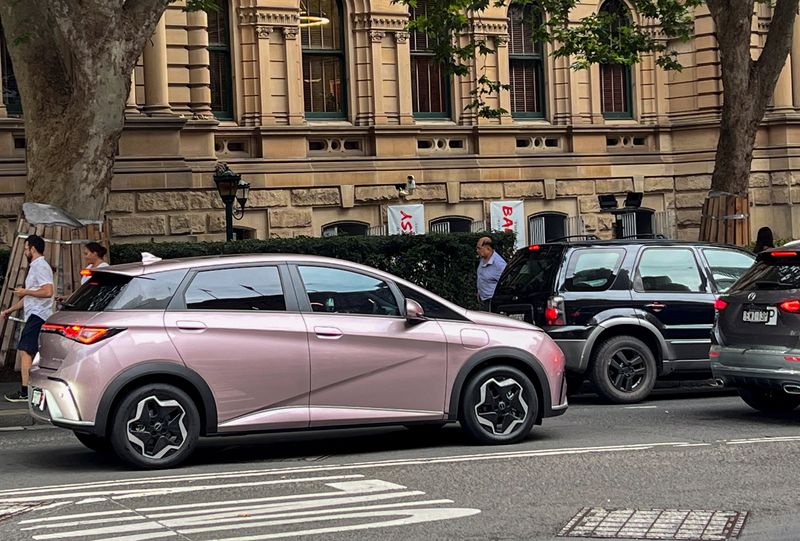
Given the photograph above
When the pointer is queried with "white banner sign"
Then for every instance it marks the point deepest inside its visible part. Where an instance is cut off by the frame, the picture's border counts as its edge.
(407, 219)
(509, 216)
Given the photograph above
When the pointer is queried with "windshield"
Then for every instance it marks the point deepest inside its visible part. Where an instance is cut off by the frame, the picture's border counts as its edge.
(778, 274)
(531, 271)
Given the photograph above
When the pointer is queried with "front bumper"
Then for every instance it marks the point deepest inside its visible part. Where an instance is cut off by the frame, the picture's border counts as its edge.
(51, 401)
(755, 368)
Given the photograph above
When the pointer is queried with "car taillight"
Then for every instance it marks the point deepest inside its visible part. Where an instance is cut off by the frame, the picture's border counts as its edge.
(86, 272)
(720, 305)
(80, 333)
(790, 306)
(783, 254)
(554, 313)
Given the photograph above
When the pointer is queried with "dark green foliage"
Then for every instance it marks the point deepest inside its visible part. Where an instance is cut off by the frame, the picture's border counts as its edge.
(443, 264)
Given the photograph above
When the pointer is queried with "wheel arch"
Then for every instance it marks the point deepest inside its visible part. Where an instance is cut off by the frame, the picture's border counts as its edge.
(169, 373)
(650, 336)
(521, 360)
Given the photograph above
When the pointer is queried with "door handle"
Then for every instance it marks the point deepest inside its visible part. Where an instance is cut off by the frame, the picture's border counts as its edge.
(328, 333)
(191, 326)
(656, 306)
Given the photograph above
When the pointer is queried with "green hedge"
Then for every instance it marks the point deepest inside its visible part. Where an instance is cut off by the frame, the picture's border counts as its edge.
(443, 264)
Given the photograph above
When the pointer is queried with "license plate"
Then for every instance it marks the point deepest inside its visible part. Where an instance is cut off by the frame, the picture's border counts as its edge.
(37, 399)
(519, 317)
(768, 316)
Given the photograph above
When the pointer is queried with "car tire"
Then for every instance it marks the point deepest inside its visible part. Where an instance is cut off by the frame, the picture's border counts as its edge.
(94, 442)
(155, 426)
(772, 401)
(490, 415)
(624, 370)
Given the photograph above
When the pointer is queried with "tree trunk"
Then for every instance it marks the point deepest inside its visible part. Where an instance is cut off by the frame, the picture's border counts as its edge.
(748, 87)
(73, 63)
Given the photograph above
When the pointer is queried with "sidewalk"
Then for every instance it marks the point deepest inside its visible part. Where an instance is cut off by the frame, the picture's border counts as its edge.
(13, 413)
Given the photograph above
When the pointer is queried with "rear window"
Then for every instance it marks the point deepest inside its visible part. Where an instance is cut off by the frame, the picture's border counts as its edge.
(770, 274)
(531, 271)
(727, 266)
(111, 291)
(593, 269)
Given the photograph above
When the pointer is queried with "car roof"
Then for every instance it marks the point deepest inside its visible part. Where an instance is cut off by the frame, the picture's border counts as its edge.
(638, 242)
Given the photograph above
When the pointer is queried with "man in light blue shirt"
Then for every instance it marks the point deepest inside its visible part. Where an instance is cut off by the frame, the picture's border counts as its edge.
(490, 267)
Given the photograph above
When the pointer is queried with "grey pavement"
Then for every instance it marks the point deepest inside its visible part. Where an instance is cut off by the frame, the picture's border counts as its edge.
(12, 414)
(702, 451)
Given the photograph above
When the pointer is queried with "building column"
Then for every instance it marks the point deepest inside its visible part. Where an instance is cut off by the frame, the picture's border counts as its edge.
(131, 107)
(199, 83)
(403, 50)
(504, 76)
(294, 75)
(264, 91)
(156, 75)
(376, 53)
(782, 98)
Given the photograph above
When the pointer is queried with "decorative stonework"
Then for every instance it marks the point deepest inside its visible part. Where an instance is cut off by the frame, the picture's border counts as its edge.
(263, 32)
(385, 22)
(490, 27)
(290, 32)
(261, 16)
(501, 41)
(376, 36)
(401, 37)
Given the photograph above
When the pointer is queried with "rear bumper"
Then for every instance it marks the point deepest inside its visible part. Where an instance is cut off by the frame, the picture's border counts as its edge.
(754, 368)
(51, 400)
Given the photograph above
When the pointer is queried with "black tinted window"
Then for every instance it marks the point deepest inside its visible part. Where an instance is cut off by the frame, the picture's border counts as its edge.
(727, 266)
(669, 270)
(531, 271)
(592, 269)
(781, 274)
(111, 291)
(432, 308)
(346, 292)
(247, 288)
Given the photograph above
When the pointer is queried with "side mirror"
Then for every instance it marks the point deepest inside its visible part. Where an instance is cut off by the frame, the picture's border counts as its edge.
(414, 312)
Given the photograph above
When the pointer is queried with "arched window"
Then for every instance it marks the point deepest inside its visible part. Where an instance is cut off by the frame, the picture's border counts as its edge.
(525, 62)
(322, 39)
(451, 224)
(345, 228)
(547, 227)
(430, 91)
(11, 97)
(219, 57)
(616, 88)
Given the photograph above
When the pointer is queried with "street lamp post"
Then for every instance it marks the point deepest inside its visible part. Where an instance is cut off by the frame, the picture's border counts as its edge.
(231, 189)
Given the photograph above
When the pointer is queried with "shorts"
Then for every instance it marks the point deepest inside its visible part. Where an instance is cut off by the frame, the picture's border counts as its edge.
(29, 340)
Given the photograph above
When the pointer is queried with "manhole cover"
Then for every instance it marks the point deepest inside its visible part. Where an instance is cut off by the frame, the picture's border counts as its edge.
(682, 524)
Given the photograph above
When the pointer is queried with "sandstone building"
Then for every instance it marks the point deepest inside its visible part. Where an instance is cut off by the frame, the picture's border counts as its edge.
(325, 105)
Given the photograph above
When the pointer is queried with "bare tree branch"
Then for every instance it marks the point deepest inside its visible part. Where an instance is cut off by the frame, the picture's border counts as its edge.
(779, 42)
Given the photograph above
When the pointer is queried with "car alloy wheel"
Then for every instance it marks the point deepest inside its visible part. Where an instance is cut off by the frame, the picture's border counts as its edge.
(502, 406)
(627, 370)
(499, 404)
(157, 427)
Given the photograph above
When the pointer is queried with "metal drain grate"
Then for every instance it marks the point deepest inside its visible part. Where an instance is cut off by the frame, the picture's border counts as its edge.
(675, 524)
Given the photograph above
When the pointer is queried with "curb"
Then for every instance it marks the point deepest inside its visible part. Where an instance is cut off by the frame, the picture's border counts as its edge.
(15, 417)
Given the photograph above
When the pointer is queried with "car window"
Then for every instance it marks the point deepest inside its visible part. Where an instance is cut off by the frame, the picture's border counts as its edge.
(727, 266)
(246, 288)
(531, 271)
(345, 292)
(593, 269)
(668, 270)
(432, 308)
(112, 291)
(770, 274)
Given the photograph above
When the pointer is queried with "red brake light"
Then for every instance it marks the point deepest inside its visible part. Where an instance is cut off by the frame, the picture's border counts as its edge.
(80, 333)
(790, 306)
(551, 315)
(720, 305)
(534, 248)
(783, 254)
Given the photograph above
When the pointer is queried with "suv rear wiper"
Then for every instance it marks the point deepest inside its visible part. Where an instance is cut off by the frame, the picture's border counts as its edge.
(771, 284)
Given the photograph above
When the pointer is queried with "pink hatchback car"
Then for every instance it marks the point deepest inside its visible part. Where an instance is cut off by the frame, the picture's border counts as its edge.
(146, 358)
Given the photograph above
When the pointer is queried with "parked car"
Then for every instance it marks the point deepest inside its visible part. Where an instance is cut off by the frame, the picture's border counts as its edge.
(147, 357)
(623, 311)
(756, 340)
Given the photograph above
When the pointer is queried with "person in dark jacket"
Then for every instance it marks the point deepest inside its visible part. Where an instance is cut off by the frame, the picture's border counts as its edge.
(764, 240)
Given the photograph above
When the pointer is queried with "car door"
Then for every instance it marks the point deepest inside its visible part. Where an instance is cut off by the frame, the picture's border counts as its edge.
(239, 329)
(368, 364)
(670, 292)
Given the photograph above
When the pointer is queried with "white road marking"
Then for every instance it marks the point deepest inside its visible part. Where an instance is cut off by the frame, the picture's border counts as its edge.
(81, 515)
(640, 407)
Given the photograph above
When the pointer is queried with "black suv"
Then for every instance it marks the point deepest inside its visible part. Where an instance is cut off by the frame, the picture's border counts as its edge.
(623, 311)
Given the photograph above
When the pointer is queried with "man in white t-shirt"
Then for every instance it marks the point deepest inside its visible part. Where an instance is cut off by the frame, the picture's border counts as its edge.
(36, 298)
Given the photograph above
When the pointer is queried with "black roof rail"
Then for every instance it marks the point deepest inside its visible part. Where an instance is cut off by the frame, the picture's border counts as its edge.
(575, 237)
(656, 236)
